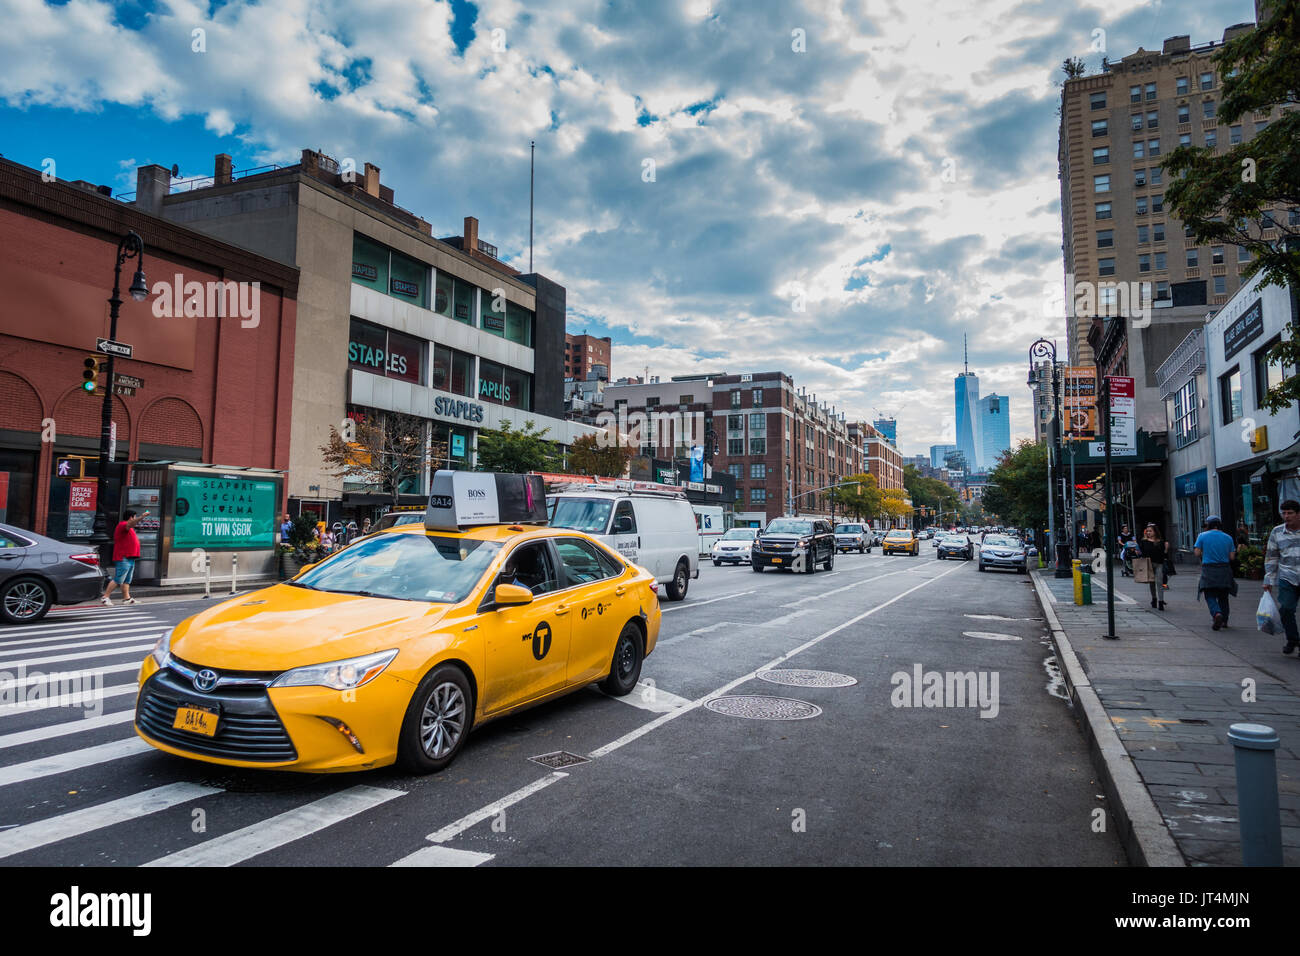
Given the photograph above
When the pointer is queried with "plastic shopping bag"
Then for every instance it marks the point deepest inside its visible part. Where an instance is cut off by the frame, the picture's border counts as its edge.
(1267, 616)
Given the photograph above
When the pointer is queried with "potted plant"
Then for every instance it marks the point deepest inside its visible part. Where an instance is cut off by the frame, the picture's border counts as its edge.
(301, 547)
(1251, 561)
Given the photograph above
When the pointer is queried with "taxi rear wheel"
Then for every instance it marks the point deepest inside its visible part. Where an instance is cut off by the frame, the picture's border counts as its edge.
(625, 670)
(437, 720)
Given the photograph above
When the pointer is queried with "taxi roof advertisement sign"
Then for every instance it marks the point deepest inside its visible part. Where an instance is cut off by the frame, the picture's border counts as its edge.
(460, 499)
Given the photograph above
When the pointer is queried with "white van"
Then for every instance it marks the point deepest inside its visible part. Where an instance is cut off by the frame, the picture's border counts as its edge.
(655, 530)
(708, 522)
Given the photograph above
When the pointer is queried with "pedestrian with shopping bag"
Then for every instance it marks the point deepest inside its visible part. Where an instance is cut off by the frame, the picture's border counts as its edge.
(1282, 570)
(1150, 565)
(1215, 549)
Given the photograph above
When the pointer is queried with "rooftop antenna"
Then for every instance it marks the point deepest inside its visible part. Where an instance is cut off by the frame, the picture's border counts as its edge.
(532, 150)
(964, 356)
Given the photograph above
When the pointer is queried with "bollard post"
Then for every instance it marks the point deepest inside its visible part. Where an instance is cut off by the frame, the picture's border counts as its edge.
(234, 568)
(1257, 803)
(1078, 581)
(207, 575)
(1085, 578)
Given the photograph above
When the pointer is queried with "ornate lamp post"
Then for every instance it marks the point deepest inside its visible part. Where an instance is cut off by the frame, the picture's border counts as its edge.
(1044, 349)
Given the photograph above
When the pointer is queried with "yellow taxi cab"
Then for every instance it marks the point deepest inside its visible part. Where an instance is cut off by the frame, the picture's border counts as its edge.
(393, 649)
(900, 541)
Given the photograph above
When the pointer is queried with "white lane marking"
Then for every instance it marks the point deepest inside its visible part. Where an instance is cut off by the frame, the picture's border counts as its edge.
(75, 726)
(784, 619)
(654, 699)
(266, 835)
(72, 760)
(121, 639)
(64, 700)
(33, 835)
(990, 636)
(999, 617)
(660, 721)
(855, 584)
(492, 809)
(443, 856)
(81, 655)
(687, 607)
(8, 687)
(55, 629)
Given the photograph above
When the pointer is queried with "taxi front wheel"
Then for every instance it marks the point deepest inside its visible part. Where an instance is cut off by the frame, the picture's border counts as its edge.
(625, 670)
(437, 721)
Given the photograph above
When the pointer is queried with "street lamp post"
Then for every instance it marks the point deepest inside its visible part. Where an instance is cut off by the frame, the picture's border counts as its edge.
(131, 246)
(813, 491)
(1043, 349)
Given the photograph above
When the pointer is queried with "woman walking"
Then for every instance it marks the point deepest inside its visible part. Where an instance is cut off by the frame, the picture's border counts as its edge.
(1155, 550)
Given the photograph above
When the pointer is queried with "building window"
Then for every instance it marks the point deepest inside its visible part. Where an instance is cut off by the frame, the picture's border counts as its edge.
(757, 425)
(1153, 147)
(1135, 94)
(757, 398)
(1162, 288)
(1243, 254)
(1208, 110)
(1220, 285)
(735, 446)
(1185, 139)
(1097, 101)
(758, 470)
(1105, 238)
(685, 399)
(1193, 258)
(757, 496)
(652, 401)
(1181, 85)
(1135, 121)
(1216, 255)
(1158, 202)
(734, 470)
(740, 493)
(1158, 232)
(1230, 395)
(1106, 267)
(501, 385)
(1260, 126)
(1160, 262)
(758, 446)
(1139, 177)
(1186, 418)
(1207, 81)
(1234, 135)
(1184, 114)
(1267, 374)
(1153, 119)
(1144, 263)
(1156, 175)
(1211, 139)
(1139, 149)
(1099, 128)
(1144, 234)
(735, 398)
(1101, 155)
(453, 371)
(1151, 91)
(1101, 184)
(735, 423)
(1142, 205)
(1103, 210)
(382, 351)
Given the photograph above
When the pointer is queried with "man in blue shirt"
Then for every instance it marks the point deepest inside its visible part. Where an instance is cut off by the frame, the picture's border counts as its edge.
(1216, 550)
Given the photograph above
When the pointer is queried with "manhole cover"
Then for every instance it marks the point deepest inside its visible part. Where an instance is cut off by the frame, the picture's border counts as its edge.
(561, 758)
(763, 708)
(801, 678)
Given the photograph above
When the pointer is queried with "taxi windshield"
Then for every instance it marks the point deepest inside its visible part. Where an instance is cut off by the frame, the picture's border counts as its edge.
(588, 515)
(407, 567)
(899, 534)
(788, 526)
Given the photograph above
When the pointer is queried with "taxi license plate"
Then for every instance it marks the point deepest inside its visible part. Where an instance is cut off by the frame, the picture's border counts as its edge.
(776, 560)
(196, 720)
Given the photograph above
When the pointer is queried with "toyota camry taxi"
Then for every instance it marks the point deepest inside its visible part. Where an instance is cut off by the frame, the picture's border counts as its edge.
(393, 649)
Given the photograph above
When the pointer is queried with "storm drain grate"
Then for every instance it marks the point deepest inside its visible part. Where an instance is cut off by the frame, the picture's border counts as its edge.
(561, 758)
(803, 678)
(1195, 721)
(763, 708)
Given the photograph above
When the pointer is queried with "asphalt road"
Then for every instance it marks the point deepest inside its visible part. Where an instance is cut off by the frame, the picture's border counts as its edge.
(667, 780)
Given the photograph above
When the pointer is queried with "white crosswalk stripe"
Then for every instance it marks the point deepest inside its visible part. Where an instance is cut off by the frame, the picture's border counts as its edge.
(7, 688)
(76, 726)
(75, 699)
(81, 655)
(284, 828)
(34, 835)
(32, 630)
(72, 760)
(106, 643)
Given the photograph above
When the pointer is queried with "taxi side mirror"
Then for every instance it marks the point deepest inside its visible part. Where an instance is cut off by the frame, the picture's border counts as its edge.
(304, 569)
(509, 594)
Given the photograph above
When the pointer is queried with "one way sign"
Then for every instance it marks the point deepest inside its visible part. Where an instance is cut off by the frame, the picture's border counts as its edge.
(109, 347)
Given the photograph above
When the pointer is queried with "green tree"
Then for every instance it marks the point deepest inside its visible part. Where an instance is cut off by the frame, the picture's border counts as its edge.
(928, 492)
(589, 456)
(516, 451)
(1017, 487)
(1223, 197)
(861, 500)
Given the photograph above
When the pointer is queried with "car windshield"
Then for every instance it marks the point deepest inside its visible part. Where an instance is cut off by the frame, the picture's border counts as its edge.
(1001, 541)
(848, 529)
(407, 567)
(739, 534)
(789, 526)
(589, 515)
(955, 539)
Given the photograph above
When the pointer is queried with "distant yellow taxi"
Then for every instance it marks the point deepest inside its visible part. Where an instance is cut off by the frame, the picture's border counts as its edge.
(393, 649)
(900, 541)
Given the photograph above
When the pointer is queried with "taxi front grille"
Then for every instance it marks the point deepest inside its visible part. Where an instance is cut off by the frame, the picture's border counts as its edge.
(239, 736)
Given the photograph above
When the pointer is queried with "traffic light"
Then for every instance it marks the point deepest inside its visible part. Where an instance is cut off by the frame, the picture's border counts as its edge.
(90, 374)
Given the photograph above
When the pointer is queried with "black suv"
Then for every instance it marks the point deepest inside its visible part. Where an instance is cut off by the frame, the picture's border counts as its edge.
(796, 543)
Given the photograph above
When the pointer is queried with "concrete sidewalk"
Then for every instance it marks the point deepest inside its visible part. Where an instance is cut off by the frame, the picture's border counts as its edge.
(1157, 705)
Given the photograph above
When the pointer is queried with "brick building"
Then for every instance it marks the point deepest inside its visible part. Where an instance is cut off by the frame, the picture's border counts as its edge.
(214, 389)
(584, 354)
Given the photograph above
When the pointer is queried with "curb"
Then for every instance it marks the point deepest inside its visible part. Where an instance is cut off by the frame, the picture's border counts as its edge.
(1141, 828)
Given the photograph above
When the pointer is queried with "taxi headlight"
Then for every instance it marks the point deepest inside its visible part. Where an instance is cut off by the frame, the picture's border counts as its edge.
(161, 652)
(338, 675)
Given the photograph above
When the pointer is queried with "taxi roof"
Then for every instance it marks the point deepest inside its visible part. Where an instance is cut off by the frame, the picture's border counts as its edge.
(483, 532)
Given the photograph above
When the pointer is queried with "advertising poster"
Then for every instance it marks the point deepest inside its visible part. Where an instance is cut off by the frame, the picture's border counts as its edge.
(82, 498)
(1079, 399)
(219, 513)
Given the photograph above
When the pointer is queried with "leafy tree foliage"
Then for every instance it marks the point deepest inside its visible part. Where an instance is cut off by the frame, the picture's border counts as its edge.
(1017, 490)
(385, 450)
(588, 456)
(512, 450)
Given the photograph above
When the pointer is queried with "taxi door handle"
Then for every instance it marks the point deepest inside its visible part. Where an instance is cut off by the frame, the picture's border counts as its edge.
(618, 591)
(561, 610)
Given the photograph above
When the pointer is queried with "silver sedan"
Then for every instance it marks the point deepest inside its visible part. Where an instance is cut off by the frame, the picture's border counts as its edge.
(37, 572)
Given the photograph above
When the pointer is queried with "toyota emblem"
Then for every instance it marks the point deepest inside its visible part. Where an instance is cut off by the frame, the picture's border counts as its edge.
(205, 680)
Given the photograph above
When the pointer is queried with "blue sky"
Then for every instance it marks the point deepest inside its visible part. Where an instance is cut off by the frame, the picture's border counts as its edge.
(837, 189)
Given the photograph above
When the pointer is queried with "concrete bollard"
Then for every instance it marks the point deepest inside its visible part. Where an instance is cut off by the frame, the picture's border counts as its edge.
(234, 569)
(1257, 803)
(207, 575)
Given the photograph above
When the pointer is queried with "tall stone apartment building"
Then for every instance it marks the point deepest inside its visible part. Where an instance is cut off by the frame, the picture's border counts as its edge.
(1116, 128)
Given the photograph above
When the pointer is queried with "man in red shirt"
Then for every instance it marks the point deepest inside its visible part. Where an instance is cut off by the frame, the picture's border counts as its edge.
(126, 548)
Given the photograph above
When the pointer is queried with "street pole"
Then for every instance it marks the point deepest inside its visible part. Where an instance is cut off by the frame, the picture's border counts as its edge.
(1110, 531)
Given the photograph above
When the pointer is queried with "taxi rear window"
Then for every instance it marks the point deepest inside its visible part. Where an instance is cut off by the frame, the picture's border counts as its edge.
(406, 567)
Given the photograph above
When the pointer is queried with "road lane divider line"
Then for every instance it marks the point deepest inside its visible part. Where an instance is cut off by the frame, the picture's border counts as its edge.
(492, 809)
(855, 584)
(731, 685)
(440, 856)
(687, 607)
(72, 760)
(275, 832)
(44, 832)
(75, 726)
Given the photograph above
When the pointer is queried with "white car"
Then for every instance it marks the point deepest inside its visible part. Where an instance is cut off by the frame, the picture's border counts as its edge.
(734, 547)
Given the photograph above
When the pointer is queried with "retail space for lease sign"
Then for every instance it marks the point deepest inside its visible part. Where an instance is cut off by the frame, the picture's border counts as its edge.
(219, 512)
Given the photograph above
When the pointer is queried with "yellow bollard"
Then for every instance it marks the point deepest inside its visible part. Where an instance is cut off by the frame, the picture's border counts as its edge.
(1078, 582)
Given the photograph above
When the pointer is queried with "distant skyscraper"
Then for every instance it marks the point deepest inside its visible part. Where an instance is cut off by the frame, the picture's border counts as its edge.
(966, 392)
(938, 455)
(995, 429)
(889, 428)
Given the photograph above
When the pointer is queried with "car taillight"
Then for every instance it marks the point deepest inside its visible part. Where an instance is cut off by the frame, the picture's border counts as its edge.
(91, 558)
(654, 587)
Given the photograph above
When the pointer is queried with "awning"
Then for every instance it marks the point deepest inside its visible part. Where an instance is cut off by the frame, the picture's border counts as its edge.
(1288, 459)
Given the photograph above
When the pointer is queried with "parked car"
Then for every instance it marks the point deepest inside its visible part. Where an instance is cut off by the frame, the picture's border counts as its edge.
(655, 530)
(853, 537)
(734, 546)
(37, 572)
(1003, 551)
(796, 543)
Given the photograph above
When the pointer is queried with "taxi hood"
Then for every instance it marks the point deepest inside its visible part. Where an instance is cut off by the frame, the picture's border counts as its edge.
(283, 627)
